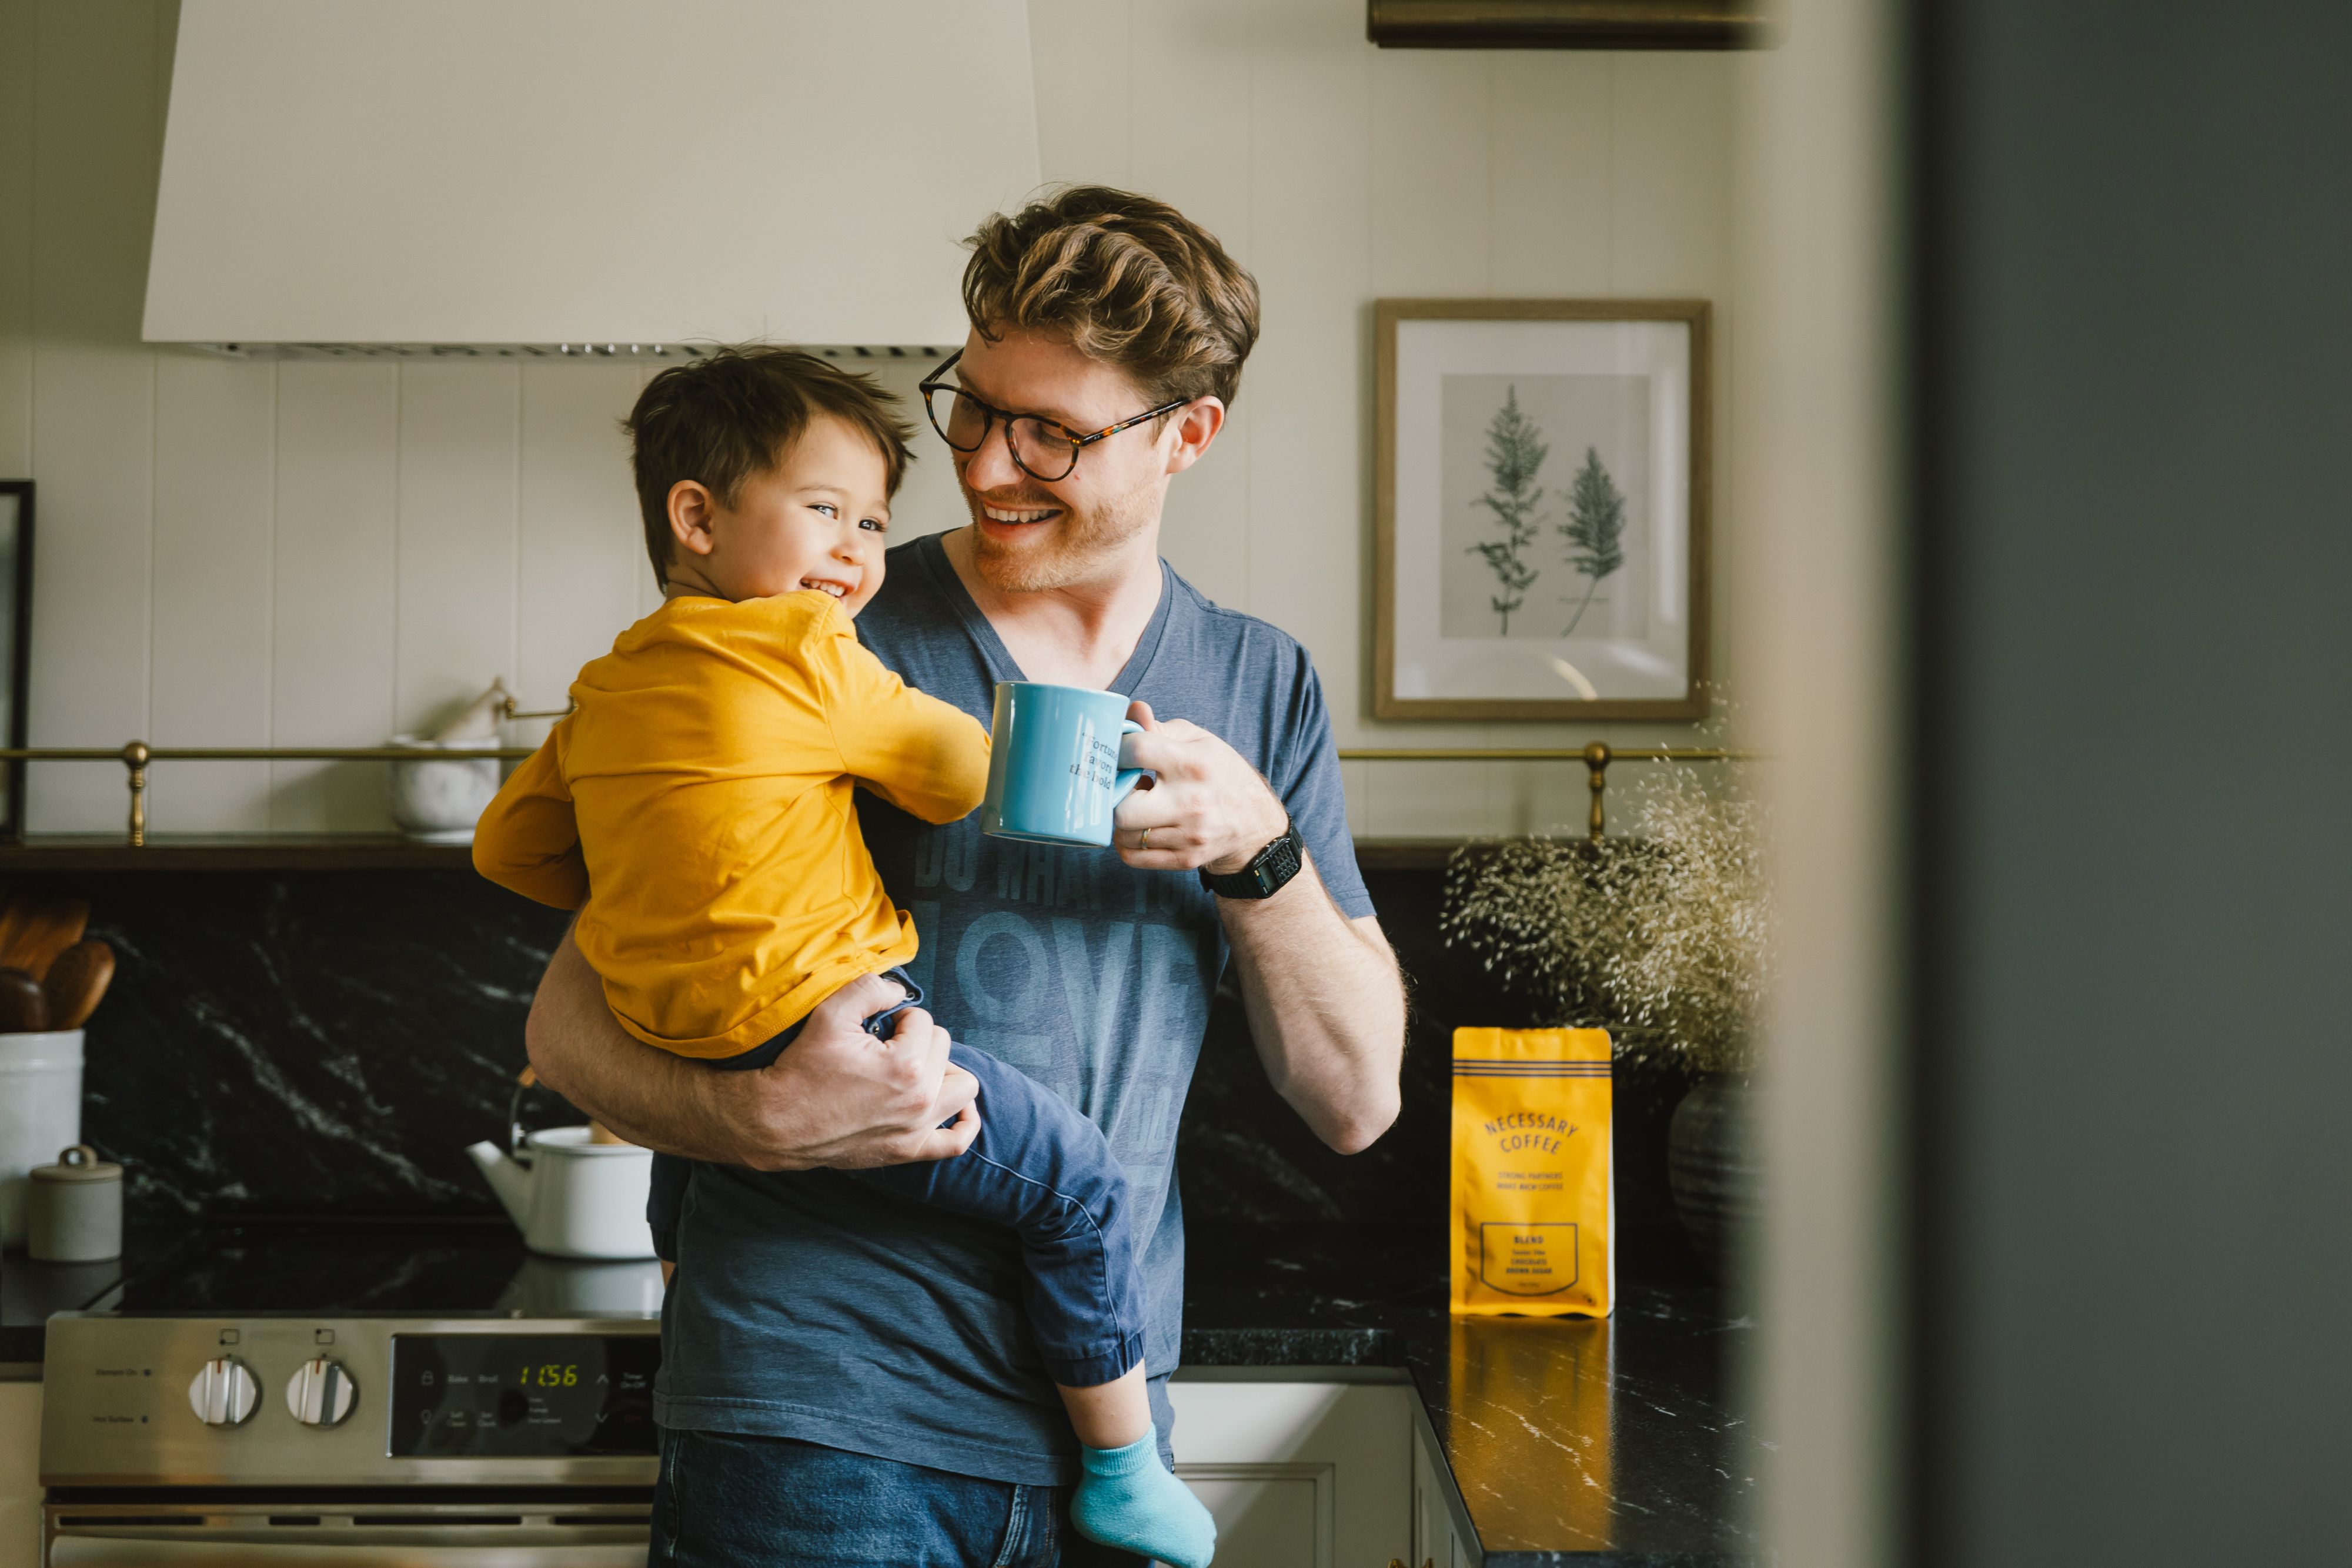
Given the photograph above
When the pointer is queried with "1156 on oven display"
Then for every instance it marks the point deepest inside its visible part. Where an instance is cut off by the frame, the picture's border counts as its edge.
(522, 1395)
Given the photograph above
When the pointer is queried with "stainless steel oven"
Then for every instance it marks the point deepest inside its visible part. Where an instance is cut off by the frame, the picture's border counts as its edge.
(356, 1442)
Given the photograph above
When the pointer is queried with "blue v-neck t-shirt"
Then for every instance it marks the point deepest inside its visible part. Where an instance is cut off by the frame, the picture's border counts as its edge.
(811, 1308)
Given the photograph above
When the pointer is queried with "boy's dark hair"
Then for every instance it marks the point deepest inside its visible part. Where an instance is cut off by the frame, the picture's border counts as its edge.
(724, 418)
(1130, 280)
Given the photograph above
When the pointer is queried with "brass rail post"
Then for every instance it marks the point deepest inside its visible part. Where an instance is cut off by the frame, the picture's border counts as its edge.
(135, 757)
(1596, 767)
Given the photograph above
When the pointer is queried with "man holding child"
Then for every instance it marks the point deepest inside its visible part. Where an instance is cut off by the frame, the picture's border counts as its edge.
(849, 1379)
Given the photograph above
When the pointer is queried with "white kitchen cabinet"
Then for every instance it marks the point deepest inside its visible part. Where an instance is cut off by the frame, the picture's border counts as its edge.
(1440, 1538)
(20, 1474)
(1299, 1474)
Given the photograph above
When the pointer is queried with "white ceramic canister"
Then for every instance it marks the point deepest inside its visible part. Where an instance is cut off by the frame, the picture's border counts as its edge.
(40, 1112)
(73, 1213)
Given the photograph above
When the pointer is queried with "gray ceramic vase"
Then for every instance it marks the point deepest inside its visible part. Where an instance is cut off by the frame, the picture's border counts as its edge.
(1712, 1166)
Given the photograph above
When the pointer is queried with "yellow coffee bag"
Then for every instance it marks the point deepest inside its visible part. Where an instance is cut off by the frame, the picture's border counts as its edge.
(1534, 1200)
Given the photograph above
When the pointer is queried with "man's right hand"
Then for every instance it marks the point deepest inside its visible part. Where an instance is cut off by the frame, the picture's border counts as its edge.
(887, 1099)
(837, 1097)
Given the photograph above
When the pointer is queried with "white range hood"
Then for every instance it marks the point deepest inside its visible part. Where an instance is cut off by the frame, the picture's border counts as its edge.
(523, 174)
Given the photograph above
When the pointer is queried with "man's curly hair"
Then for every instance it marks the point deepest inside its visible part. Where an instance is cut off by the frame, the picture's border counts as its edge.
(1127, 280)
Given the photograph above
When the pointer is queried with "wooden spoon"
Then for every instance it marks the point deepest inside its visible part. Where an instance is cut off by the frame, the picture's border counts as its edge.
(36, 926)
(77, 983)
(22, 1008)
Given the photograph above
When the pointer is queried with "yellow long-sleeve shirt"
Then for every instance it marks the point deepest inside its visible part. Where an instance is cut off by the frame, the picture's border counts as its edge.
(696, 809)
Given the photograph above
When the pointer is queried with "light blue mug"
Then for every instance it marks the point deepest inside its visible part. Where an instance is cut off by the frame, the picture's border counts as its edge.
(1053, 773)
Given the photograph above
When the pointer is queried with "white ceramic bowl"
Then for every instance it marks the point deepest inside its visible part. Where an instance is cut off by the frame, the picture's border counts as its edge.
(438, 801)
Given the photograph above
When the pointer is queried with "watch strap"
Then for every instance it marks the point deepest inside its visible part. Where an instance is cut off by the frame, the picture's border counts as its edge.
(1268, 872)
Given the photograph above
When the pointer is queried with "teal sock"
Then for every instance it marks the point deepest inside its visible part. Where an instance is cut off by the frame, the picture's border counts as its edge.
(1127, 1499)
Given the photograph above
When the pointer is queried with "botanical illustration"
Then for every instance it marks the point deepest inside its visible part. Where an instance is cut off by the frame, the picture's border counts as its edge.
(1595, 525)
(1527, 559)
(1513, 457)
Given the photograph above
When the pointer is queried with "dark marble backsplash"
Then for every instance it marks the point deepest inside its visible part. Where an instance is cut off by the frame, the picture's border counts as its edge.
(315, 1042)
(330, 1041)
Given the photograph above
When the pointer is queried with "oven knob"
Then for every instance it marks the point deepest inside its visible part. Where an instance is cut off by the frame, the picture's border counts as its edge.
(319, 1393)
(224, 1394)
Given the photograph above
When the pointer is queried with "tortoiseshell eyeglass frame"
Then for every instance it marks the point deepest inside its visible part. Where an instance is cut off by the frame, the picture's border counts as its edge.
(1064, 434)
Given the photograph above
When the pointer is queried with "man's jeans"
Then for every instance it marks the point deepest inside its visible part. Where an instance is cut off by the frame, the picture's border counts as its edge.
(730, 1501)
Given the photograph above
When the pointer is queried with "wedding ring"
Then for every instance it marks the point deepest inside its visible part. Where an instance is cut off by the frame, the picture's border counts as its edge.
(1143, 840)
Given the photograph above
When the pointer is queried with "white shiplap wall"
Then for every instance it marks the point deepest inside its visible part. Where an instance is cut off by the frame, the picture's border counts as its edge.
(326, 553)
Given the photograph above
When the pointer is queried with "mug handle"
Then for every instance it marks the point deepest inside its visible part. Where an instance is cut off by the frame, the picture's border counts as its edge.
(1124, 785)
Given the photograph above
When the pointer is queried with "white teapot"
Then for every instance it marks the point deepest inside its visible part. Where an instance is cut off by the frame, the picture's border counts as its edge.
(572, 1195)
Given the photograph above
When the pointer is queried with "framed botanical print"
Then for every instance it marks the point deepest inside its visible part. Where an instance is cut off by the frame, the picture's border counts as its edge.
(15, 642)
(1542, 510)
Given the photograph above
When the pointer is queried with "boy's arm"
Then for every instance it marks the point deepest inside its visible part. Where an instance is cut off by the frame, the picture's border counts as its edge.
(923, 756)
(528, 838)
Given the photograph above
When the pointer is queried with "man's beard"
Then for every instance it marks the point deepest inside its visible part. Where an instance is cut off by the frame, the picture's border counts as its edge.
(1072, 548)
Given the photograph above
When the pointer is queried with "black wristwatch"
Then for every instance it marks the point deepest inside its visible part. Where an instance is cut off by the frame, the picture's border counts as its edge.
(1267, 873)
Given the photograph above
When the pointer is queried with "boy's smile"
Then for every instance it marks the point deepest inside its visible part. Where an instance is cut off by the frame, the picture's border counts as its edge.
(818, 519)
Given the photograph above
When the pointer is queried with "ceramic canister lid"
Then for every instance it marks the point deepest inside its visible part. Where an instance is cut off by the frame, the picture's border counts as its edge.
(78, 1163)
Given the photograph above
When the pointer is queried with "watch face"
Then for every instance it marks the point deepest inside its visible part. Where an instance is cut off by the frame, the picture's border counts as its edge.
(1266, 874)
(1279, 863)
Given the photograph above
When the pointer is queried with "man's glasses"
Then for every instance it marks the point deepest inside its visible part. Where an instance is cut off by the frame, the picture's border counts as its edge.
(1041, 448)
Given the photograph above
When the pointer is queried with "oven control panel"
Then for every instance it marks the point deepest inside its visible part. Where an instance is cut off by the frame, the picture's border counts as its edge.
(174, 1401)
(544, 1396)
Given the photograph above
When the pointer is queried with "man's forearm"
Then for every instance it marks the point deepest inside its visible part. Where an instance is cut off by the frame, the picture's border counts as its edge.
(647, 1096)
(1325, 1006)
(839, 1097)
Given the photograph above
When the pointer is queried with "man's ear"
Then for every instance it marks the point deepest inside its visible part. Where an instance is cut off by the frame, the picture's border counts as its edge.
(1197, 423)
(692, 507)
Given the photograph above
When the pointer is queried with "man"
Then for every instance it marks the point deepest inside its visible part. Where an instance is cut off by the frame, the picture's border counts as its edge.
(849, 1380)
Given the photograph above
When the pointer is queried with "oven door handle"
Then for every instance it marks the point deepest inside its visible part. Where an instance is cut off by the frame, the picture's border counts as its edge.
(74, 1551)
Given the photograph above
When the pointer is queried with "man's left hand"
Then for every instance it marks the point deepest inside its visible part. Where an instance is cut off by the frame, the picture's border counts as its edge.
(1208, 809)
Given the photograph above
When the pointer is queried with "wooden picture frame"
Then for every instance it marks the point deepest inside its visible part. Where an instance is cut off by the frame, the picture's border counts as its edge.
(15, 642)
(1567, 23)
(1639, 387)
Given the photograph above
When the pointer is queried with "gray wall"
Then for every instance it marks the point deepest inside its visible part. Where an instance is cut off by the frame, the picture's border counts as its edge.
(2135, 540)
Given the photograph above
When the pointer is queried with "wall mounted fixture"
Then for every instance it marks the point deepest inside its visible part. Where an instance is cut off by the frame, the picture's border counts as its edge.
(412, 175)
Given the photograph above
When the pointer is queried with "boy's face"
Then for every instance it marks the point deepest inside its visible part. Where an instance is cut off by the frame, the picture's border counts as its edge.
(817, 519)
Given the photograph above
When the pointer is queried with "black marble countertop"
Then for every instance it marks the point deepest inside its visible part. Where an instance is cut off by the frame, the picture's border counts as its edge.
(1573, 1441)
(1569, 1440)
(30, 1292)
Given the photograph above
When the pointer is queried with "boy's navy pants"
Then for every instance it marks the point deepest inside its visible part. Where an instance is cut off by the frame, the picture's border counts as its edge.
(1037, 1167)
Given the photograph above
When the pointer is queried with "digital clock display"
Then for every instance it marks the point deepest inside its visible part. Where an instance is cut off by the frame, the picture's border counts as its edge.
(464, 1396)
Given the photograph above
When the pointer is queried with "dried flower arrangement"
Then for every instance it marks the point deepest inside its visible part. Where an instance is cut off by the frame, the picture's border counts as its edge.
(1662, 938)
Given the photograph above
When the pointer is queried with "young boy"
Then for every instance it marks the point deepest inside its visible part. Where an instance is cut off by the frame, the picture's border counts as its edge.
(696, 809)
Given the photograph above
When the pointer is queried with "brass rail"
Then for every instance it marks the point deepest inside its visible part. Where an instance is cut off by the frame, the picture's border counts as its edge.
(138, 755)
(1596, 756)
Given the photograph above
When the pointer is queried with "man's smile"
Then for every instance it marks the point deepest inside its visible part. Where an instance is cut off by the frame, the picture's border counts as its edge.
(1017, 514)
